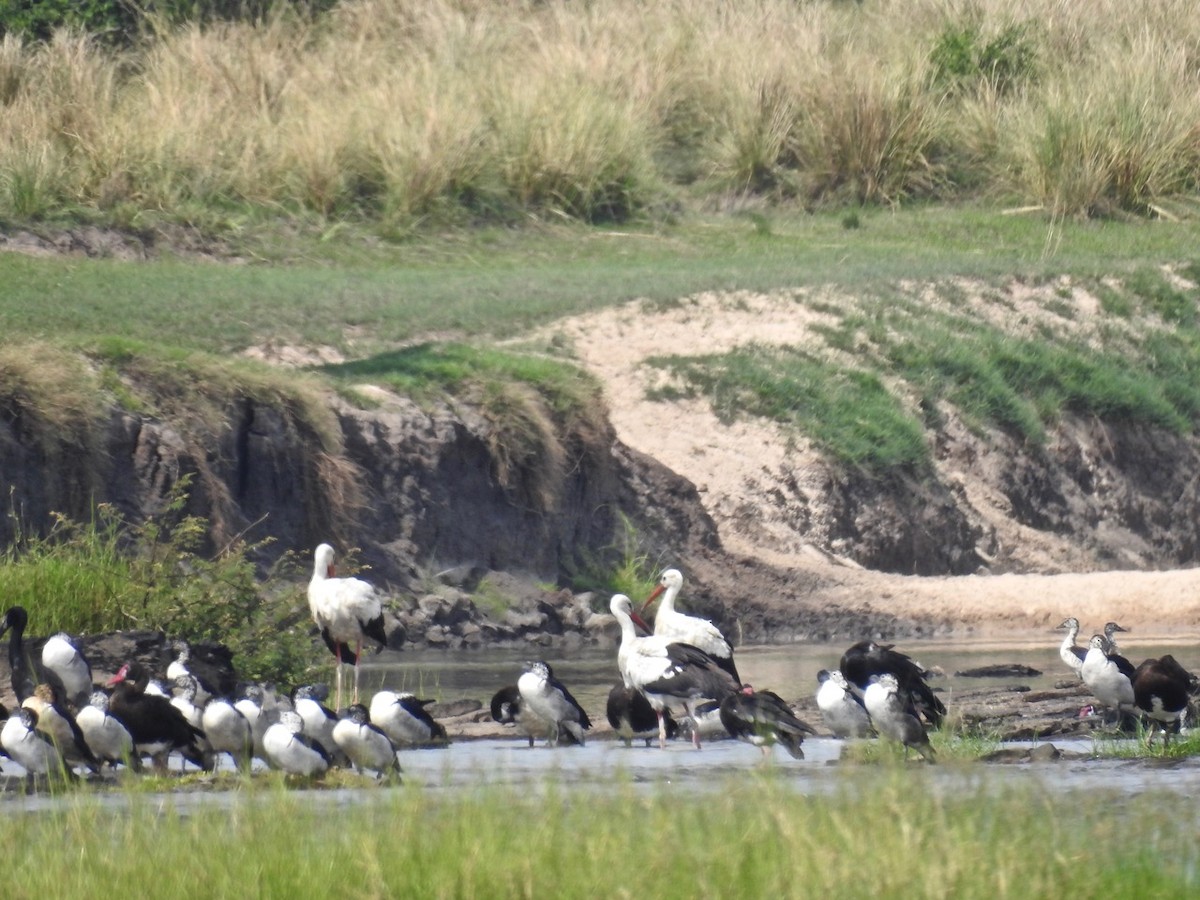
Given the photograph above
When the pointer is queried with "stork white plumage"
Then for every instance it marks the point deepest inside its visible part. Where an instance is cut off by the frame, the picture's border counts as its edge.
(677, 626)
(347, 612)
(665, 670)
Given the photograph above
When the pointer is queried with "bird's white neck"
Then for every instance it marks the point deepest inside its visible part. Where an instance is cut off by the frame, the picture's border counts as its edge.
(628, 631)
(1068, 643)
(667, 603)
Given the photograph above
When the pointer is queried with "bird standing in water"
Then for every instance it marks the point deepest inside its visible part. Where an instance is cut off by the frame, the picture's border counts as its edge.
(347, 611)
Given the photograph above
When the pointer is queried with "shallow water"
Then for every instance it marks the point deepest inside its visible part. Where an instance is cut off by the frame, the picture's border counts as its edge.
(789, 670)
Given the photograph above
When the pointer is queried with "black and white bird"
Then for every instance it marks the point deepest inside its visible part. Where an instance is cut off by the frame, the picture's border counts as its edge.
(319, 720)
(1068, 651)
(108, 739)
(289, 749)
(506, 709)
(665, 670)
(706, 722)
(184, 690)
(1110, 631)
(631, 715)
(1162, 690)
(365, 744)
(763, 719)
(252, 705)
(548, 698)
(506, 705)
(211, 680)
(157, 727)
(31, 748)
(868, 658)
(894, 716)
(26, 669)
(841, 705)
(685, 629)
(228, 731)
(404, 718)
(62, 657)
(55, 720)
(1109, 676)
(347, 611)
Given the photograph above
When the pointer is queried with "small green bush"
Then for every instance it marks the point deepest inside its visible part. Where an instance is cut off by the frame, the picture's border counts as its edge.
(963, 57)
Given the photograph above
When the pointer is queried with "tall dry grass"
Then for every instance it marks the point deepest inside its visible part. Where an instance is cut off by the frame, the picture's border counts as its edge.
(491, 109)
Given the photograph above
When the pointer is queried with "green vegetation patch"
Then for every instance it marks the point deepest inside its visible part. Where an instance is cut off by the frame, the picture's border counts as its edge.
(108, 574)
(536, 407)
(848, 412)
(912, 359)
(430, 369)
(203, 388)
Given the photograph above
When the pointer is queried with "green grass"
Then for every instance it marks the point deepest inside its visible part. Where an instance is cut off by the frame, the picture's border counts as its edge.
(891, 360)
(847, 412)
(364, 297)
(1134, 746)
(886, 836)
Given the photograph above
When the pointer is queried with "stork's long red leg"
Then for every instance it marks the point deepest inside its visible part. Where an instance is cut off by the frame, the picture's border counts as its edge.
(337, 652)
(357, 657)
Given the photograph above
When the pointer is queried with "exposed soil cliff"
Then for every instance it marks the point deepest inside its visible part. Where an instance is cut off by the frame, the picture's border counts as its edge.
(416, 490)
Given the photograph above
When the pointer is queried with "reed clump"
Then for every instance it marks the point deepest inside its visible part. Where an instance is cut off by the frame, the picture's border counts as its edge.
(402, 114)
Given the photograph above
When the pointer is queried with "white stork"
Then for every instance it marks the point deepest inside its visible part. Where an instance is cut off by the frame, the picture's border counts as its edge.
(665, 670)
(677, 626)
(346, 610)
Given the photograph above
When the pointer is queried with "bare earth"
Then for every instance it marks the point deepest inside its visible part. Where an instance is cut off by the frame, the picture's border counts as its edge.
(735, 467)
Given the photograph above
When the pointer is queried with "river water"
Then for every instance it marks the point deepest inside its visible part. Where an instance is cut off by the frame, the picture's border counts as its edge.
(789, 670)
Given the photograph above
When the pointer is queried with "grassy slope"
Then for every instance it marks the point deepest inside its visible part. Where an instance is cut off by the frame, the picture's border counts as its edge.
(499, 283)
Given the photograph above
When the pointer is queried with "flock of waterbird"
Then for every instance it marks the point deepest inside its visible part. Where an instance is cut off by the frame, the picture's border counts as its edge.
(1159, 691)
(65, 724)
(677, 678)
(684, 661)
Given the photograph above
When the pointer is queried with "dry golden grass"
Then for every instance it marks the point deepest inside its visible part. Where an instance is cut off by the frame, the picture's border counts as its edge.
(494, 109)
